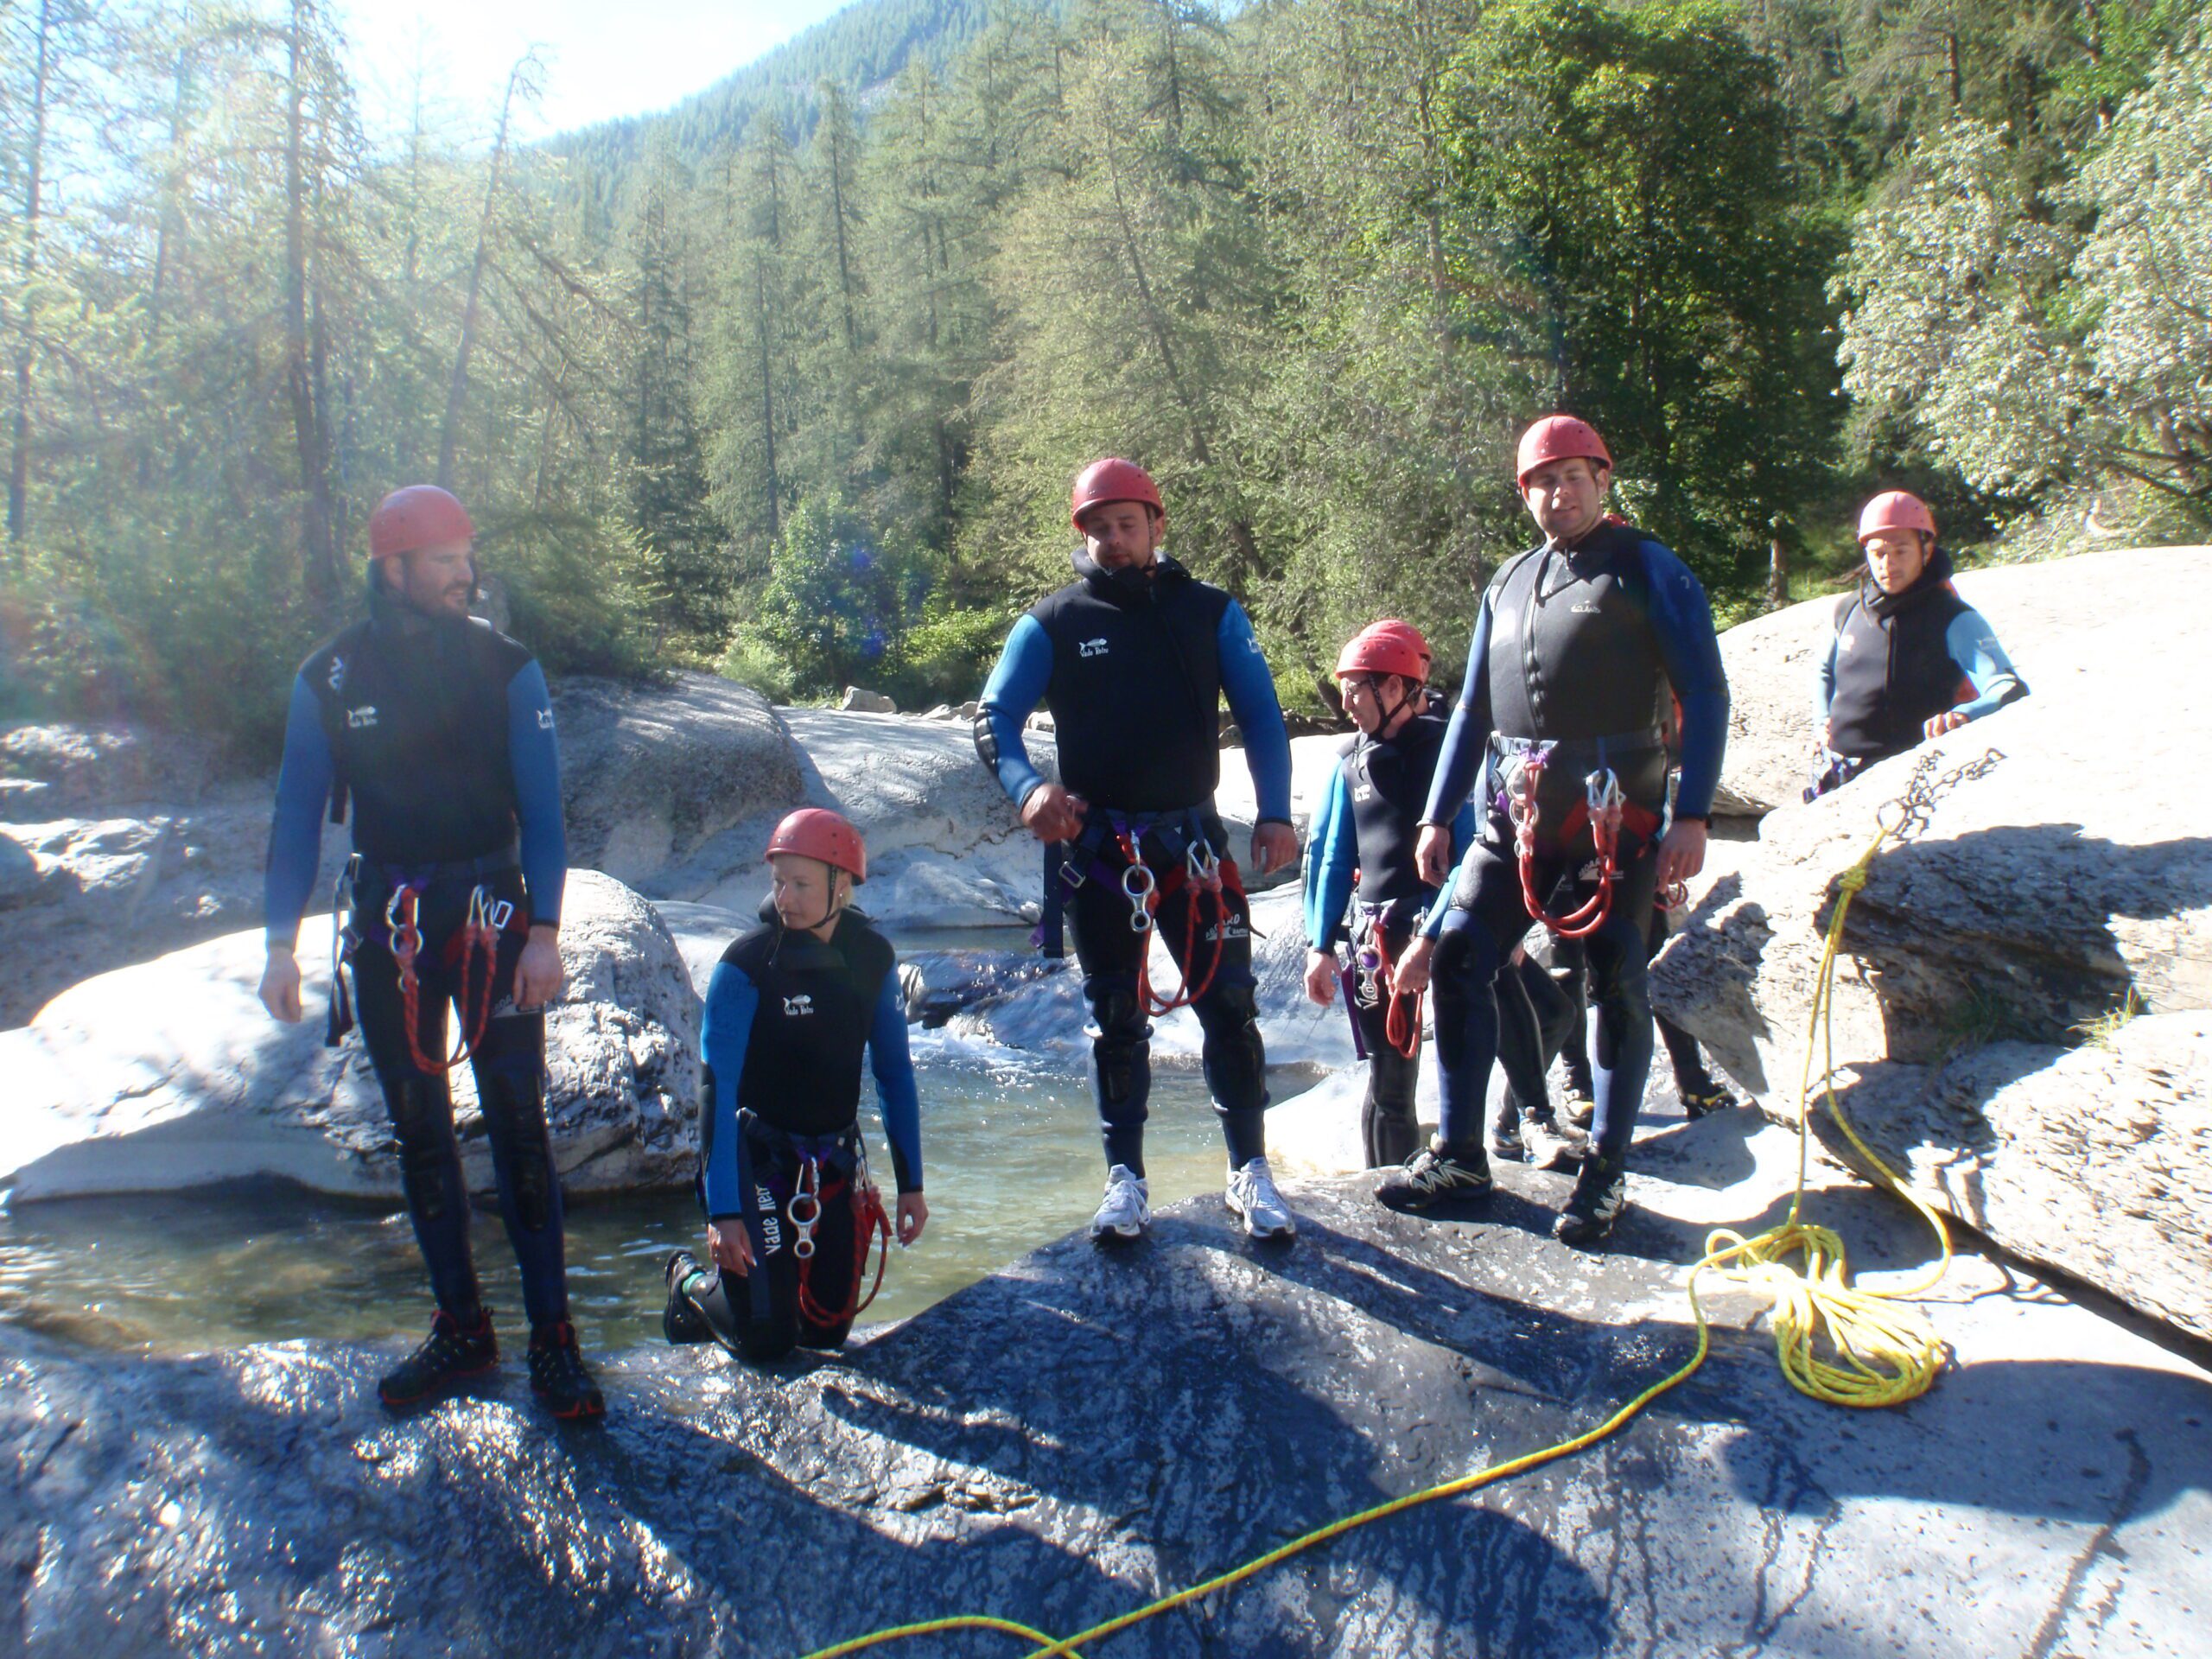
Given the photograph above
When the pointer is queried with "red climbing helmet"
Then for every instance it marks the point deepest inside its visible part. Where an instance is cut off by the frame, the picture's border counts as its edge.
(1111, 480)
(415, 516)
(1559, 437)
(1895, 510)
(816, 832)
(1386, 647)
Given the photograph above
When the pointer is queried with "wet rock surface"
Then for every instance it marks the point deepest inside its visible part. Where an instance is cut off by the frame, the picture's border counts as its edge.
(2050, 890)
(1084, 1431)
(171, 1074)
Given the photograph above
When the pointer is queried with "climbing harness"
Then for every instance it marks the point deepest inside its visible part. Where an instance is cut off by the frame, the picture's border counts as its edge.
(1605, 808)
(1374, 979)
(1889, 1354)
(812, 1192)
(474, 951)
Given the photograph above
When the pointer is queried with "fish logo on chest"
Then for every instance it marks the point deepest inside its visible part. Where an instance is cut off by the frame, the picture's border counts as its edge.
(798, 1007)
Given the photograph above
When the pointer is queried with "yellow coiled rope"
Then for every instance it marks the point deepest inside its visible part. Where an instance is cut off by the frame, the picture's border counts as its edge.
(1888, 1352)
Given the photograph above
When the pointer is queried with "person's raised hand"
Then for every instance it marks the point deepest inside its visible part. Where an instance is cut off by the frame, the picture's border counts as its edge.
(1275, 846)
(1949, 721)
(1681, 855)
(1052, 814)
(1321, 976)
(280, 985)
(1433, 854)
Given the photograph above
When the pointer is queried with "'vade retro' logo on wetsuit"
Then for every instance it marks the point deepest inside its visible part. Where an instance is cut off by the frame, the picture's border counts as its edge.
(795, 1007)
(1093, 647)
(337, 681)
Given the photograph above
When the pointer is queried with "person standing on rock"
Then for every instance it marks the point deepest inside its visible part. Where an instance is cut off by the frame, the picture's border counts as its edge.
(792, 1007)
(1909, 660)
(1362, 834)
(1133, 658)
(1576, 646)
(439, 730)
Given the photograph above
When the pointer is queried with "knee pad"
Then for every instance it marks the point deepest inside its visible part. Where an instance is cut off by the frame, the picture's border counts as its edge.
(422, 1122)
(516, 1114)
(1123, 1048)
(1236, 1057)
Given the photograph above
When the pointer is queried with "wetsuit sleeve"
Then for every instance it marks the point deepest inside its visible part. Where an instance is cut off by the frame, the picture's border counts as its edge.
(1973, 644)
(1683, 621)
(296, 830)
(1466, 741)
(893, 1067)
(1251, 691)
(1463, 842)
(1332, 854)
(732, 1000)
(535, 756)
(1024, 669)
(1824, 689)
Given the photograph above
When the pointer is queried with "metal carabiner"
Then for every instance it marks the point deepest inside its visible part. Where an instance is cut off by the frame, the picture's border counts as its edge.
(1202, 866)
(399, 913)
(808, 1189)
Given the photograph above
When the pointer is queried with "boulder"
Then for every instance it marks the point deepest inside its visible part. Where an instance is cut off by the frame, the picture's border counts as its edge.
(64, 770)
(170, 1073)
(651, 773)
(2038, 611)
(859, 701)
(2049, 888)
(1083, 1432)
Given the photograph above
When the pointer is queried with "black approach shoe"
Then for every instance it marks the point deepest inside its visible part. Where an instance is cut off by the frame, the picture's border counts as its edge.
(557, 1375)
(1703, 1102)
(447, 1355)
(1600, 1195)
(1431, 1176)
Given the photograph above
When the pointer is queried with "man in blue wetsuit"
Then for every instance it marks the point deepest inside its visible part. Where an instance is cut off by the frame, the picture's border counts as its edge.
(1909, 659)
(1133, 658)
(440, 731)
(792, 1007)
(1576, 646)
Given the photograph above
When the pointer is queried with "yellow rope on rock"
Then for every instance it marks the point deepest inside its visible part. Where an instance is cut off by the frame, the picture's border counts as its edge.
(1888, 1353)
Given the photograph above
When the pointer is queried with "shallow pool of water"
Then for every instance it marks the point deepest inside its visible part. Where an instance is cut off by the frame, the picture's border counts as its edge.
(1011, 1157)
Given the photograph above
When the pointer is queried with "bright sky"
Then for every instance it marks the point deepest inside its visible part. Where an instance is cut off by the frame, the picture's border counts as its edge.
(603, 58)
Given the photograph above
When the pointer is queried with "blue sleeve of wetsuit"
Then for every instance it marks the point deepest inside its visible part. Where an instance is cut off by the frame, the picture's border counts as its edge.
(1332, 854)
(1824, 690)
(295, 829)
(1251, 691)
(1973, 644)
(1466, 741)
(535, 756)
(894, 1085)
(732, 1000)
(1016, 685)
(1682, 620)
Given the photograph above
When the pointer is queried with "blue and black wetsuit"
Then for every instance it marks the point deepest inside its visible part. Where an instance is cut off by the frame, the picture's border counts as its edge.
(1895, 662)
(440, 733)
(1577, 648)
(1367, 822)
(788, 1019)
(1133, 665)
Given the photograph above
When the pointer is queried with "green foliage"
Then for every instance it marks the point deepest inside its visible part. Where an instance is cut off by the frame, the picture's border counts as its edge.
(944, 656)
(837, 600)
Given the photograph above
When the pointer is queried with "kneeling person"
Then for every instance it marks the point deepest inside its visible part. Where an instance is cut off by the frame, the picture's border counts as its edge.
(791, 1210)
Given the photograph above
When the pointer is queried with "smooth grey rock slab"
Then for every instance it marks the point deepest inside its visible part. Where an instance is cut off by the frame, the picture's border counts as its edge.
(171, 1074)
(2039, 611)
(1084, 1431)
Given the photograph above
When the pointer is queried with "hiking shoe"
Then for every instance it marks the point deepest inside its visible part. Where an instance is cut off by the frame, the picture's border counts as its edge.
(1552, 1144)
(1126, 1210)
(1505, 1145)
(1579, 1108)
(1600, 1195)
(557, 1375)
(1703, 1102)
(1434, 1175)
(1252, 1198)
(448, 1354)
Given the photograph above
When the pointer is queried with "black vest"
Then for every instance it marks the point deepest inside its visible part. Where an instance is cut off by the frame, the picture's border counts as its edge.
(1135, 692)
(417, 721)
(1893, 667)
(809, 1033)
(1388, 783)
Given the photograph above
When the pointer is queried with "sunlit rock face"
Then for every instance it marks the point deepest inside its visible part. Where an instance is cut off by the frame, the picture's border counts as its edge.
(171, 1074)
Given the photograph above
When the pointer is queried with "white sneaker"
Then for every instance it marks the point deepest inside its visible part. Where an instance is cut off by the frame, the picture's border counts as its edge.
(1126, 1210)
(1252, 1198)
